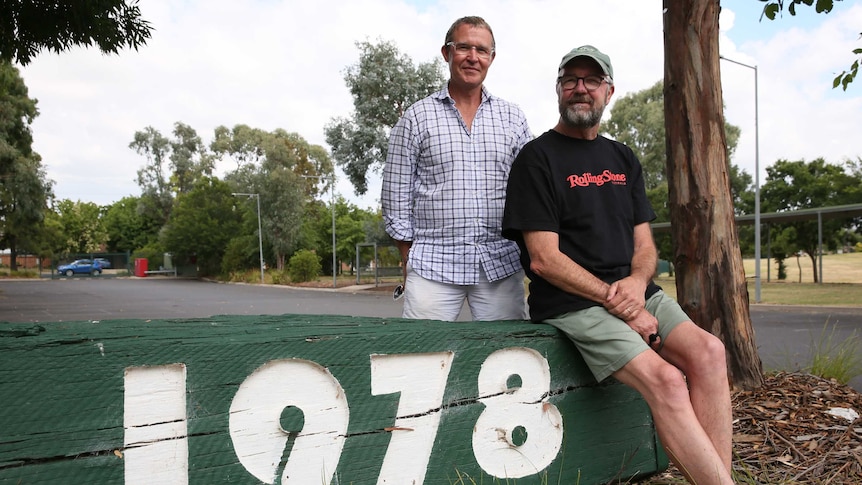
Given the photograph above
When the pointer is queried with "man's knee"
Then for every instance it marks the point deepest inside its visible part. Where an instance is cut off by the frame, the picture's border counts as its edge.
(711, 352)
(661, 383)
(671, 382)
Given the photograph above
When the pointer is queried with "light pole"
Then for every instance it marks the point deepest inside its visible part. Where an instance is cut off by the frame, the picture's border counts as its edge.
(334, 261)
(756, 186)
(259, 231)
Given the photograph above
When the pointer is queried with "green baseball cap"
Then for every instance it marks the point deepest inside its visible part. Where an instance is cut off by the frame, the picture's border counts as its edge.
(594, 54)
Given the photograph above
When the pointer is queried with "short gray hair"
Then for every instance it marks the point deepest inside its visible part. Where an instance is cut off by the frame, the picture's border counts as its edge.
(473, 21)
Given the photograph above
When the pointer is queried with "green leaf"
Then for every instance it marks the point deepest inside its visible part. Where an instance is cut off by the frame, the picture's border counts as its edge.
(771, 10)
(824, 6)
(846, 81)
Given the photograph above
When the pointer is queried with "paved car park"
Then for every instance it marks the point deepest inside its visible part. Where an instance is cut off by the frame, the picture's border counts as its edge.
(786, 336)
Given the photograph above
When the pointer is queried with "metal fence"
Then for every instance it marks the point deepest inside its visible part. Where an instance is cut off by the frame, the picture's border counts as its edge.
(377, 261)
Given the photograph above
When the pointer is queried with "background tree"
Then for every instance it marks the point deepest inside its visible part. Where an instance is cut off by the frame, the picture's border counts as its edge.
(243, 250)
(772, 8)
(285, 170)
(316, 232)
(156, 196)
(24, 185)
(201, 225)
(242, 143)
(129, 229)
(81, 227)
(804, 185)
(174, 166)
(24, 205)
(281, 206)
(190, 159)
(28, 27)
(350, 224)
(51, 238)
(384, 83)
(637, 119)
(351, 227)
(710, 278)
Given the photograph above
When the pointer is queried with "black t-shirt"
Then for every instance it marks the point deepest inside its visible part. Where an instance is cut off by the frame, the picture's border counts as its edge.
(591, 193)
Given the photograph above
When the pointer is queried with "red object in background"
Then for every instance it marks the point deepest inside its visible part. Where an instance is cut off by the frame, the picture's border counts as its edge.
(141, 267)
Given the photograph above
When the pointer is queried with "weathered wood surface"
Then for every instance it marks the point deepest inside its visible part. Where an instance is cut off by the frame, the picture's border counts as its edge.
(243, 399)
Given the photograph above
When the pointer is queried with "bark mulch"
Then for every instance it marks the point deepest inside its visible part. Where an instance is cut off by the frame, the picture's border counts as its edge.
(787, 432)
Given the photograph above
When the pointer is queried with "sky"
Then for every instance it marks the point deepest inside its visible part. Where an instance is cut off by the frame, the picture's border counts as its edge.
(280, 64)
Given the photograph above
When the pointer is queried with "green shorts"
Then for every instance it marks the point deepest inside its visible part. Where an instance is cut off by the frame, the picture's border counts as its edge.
(608, 343)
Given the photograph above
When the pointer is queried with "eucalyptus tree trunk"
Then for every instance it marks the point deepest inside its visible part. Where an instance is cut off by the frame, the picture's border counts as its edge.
(710, 278)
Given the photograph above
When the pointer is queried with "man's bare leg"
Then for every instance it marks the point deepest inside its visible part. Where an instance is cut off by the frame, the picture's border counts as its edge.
(701, 357)
(684, 437)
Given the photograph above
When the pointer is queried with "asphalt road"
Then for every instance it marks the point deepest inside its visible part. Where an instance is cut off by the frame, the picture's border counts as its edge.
(787, 337)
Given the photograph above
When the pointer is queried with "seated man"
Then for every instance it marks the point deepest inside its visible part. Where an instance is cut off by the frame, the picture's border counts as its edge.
(577, 207)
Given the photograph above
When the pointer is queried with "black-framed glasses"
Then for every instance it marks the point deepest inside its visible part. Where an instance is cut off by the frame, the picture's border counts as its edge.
(398, 292)
(463, 49)
(591, 83)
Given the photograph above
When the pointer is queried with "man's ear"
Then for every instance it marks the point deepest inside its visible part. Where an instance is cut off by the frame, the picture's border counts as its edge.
(445, 51)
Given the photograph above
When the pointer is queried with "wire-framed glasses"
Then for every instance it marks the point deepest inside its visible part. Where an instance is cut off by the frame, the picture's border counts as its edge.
(463, 49)
(591, 83)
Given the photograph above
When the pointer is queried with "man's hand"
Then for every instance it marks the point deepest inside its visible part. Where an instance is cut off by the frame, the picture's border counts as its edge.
(625, 298)
(646, 325)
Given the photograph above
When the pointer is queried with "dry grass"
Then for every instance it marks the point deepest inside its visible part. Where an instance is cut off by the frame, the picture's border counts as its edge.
(842, 276)
(837, 268)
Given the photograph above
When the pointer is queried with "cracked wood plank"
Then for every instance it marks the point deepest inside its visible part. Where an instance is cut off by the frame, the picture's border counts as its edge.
(359, 400)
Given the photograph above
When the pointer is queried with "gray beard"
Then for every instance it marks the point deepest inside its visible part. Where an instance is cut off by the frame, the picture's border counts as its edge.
(580, 119)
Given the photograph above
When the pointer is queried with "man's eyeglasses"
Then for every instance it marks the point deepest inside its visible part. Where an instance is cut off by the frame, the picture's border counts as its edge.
(463, 49)
(591, 83)
(398, 292)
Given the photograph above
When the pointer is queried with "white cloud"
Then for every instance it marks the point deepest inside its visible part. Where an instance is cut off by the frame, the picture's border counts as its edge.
(280, 64)
(800, 115)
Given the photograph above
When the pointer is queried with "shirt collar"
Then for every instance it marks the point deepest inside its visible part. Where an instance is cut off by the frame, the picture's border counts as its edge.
(443, 95)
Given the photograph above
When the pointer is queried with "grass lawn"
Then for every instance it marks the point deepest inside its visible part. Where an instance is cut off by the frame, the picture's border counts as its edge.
(842, 281)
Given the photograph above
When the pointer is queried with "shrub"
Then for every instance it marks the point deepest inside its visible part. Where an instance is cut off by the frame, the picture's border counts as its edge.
(280, 278)
(304, 266)
(153, 253)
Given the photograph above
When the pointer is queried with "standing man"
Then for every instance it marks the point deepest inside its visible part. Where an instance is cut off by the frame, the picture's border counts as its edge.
(444, 188)
(577, 207)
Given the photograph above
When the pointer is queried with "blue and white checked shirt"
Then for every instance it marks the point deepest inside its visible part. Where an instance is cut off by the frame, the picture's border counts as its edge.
(444, 187)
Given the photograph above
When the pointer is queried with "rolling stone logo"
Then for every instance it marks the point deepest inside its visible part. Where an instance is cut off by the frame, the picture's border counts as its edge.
(587, 179)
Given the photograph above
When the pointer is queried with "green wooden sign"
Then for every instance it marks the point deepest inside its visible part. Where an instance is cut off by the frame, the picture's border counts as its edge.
(298, 399)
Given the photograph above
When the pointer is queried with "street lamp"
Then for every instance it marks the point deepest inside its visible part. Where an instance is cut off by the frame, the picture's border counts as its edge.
(756, 186)
(334, 262)
(259, 231)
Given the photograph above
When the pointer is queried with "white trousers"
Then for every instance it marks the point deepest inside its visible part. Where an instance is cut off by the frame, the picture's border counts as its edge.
(431, 300)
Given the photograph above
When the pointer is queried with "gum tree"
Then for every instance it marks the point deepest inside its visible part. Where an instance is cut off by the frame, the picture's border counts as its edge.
(710, 278)
(24, 185)
(384, 83)
(27, 28)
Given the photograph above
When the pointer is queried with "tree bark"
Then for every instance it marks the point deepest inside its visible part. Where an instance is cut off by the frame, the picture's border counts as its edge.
(710, 278)
(813, 256)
